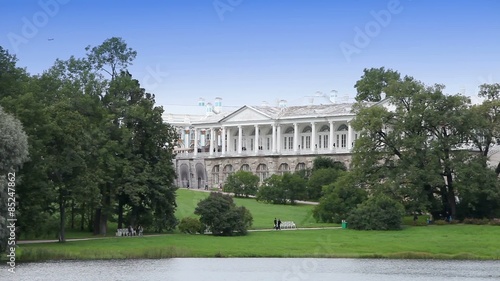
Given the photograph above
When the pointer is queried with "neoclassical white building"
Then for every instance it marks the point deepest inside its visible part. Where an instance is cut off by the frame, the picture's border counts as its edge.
(263, 139)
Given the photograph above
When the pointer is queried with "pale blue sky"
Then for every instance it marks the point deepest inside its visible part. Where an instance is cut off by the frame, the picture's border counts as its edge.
(249, 51)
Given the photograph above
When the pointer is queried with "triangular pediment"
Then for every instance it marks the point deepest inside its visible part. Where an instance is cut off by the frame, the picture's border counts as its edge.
(246, 114)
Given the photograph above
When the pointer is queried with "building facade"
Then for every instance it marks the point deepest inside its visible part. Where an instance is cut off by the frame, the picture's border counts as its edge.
(264, 140)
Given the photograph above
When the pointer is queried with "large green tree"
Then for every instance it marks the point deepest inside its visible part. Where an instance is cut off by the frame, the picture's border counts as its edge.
(413, 146)
(13, 153)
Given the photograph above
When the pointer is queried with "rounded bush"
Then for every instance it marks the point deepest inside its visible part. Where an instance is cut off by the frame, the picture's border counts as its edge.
(191, 226)
(377, 213)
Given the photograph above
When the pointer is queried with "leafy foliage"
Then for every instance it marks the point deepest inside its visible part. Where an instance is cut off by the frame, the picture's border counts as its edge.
(377, 213)
(222, 217)
(242, 183)
(191, 225)
(282, 189)
(322, 162)
(373, 82)
(341, 197)
(413, 146)
(13, 153)
(99, 147)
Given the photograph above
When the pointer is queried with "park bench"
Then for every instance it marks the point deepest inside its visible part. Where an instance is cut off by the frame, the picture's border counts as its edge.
(288, 225)
(124, 232)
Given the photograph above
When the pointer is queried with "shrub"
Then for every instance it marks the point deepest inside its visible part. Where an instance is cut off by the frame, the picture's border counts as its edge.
(475, 221)
(338, 202)
(377, 213)
(440, 222)
(495, 222)
(191, 226)
(219, 213)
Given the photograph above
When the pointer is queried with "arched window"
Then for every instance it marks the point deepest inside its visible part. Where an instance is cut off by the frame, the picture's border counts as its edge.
(300, 167)
(288, 139)
(228, 169)
(262, 172)
(323, 137)
(342, 136)
(283, 168)
(305, 138)
(215, 175)
(245, 167)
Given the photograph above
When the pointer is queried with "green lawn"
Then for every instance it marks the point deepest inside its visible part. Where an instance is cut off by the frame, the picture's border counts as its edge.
(263, 214)
(439, 242)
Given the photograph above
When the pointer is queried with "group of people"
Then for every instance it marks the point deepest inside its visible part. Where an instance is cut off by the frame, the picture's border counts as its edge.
(137, 231)
(277, 224)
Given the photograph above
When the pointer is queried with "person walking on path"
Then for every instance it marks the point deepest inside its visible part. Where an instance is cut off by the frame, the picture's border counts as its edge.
(279, 224)
(275, 224)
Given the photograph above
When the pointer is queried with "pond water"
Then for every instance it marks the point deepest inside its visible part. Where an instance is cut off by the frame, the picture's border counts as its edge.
(243, 269)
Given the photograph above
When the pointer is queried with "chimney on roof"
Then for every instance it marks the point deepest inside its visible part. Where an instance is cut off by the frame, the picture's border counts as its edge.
(218, 105)
(333, 96)
(209, 109)
(282, 103)
(201, 102)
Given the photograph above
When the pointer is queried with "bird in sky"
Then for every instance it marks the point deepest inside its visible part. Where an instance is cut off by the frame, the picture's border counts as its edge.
(51, 39)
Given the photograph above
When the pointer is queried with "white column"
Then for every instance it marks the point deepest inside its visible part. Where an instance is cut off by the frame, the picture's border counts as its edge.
(212, 137)
(313, 137)
(295, 137)
(256, 140)
(240, 139)
(273, 143)
(278, 139)
(229, 139)
(331, 136)
(195, 142)
(349, 137)
(223, 140)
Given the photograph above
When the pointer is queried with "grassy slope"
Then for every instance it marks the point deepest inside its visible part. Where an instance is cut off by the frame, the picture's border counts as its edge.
(263, 214)
(448, 242)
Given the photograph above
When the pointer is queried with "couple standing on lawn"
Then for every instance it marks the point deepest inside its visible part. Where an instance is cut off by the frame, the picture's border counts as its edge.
(277, 224)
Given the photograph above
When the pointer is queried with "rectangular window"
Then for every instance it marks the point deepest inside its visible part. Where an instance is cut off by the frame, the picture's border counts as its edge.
(268, 145)
(344, 141)
(290, 143)
(325, 141)
(308, 142)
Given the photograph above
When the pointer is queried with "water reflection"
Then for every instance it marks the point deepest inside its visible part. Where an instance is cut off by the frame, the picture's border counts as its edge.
(182, 269)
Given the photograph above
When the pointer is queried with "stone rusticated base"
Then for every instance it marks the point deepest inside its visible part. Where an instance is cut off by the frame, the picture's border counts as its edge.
(200, 170)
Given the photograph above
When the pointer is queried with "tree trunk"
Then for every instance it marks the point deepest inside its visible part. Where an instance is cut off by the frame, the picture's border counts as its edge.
(82, 214)
(62, 213)
(97, 220)
(72, 214)
(103, 224)
(452, 204)
(120, 214)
